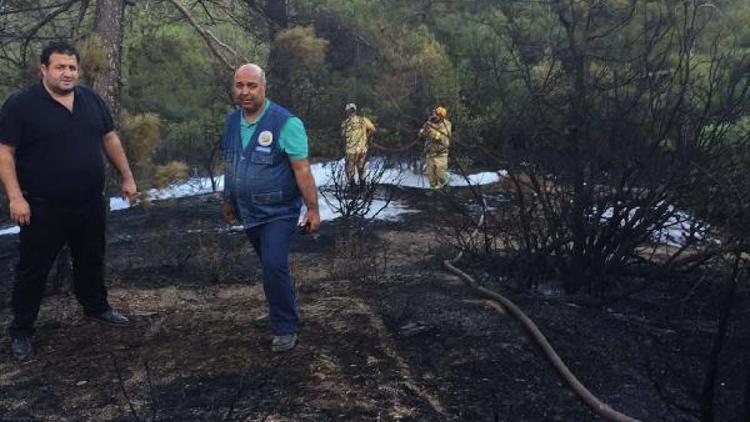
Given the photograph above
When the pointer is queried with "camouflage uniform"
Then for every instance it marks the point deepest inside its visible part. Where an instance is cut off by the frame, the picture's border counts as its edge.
(437, 136)
(355, 130)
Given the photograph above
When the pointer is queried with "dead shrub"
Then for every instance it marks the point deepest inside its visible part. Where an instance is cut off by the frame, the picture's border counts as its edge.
(141, 134)
(170, 173)
(357, 254)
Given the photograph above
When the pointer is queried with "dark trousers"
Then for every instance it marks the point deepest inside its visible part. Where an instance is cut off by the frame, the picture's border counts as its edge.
(272, 242)
(52, 226)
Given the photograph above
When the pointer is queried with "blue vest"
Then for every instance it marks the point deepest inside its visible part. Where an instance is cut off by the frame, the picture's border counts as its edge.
(259, 180)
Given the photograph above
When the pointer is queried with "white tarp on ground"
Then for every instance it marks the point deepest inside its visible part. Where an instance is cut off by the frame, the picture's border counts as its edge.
(323, 174)
(675, 231)
(10, 230)
(392, 212)
(405, 176)
(194, 186)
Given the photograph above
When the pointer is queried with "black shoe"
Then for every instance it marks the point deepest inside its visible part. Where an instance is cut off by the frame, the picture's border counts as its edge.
(21, 347)
(110, 317)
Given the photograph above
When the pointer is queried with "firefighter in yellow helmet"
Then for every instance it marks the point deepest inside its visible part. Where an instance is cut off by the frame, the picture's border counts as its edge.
(436, 132)
(357, 132)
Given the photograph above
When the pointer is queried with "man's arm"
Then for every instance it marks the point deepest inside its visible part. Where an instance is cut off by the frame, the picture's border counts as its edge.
(20, 212)
(448, 133)
(116, 155)
(427, 129)
(306, 184)
(369, 129)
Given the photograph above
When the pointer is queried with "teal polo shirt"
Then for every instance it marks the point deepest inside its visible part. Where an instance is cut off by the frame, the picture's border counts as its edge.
(292, 139)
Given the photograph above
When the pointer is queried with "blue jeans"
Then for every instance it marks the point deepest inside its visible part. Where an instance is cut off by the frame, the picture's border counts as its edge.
(272, 242)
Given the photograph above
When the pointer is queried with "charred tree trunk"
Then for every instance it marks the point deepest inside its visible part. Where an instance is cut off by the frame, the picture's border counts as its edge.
(108, 28)
(577, 139)
(110, 15)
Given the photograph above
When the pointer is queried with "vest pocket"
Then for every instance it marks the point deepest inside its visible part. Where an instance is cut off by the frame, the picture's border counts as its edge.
(261, 158)
(267, 198)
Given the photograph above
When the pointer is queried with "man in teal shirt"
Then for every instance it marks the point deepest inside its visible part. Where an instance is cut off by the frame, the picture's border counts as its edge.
(293, 138)
(267, 176)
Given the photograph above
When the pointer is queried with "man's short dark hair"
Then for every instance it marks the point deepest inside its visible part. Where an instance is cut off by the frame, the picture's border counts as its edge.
(59, 47)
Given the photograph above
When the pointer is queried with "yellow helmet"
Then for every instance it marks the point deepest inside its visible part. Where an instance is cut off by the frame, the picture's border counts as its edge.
(441, 111)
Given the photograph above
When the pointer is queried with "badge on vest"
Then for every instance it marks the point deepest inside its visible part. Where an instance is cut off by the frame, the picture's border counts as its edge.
(265, 138)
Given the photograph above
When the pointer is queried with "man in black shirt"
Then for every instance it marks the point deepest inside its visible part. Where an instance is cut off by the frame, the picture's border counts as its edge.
(51, 139)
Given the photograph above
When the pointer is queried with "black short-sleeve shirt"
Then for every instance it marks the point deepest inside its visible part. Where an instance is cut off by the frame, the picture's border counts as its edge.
(58, 152)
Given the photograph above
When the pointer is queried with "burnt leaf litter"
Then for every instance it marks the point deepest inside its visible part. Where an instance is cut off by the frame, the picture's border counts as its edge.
(399, 340)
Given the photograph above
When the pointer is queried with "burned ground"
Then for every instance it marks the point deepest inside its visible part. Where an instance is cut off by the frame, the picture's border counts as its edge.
(402, 341)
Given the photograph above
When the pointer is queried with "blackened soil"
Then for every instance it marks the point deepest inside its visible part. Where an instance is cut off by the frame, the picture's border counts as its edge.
(387, 335)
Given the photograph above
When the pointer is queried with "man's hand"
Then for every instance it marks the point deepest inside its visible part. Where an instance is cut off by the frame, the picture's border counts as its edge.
(306, 184)
(311, 221)
(20, 211)
(129, 191)
(228, 213)
(116, 155)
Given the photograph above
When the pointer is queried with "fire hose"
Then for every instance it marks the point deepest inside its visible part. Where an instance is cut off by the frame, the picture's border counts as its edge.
(601, 408)
(397, 149)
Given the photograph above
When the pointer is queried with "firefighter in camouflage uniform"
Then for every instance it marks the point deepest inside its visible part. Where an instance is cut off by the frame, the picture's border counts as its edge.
(357, 132)
(436, 132)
